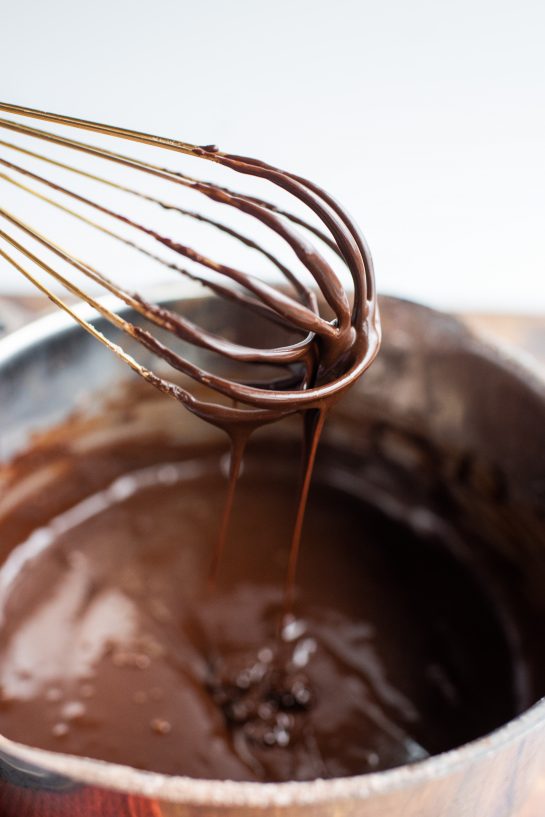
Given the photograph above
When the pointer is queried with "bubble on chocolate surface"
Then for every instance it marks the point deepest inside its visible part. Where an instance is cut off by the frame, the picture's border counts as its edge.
(160, 726)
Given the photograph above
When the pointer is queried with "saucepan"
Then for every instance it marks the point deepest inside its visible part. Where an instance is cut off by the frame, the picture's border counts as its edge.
(440, 405)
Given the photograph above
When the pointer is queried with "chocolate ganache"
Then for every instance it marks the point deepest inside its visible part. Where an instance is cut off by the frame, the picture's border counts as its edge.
(113, 645)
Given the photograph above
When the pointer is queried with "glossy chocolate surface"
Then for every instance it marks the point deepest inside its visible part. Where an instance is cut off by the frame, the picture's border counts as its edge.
(115, 647)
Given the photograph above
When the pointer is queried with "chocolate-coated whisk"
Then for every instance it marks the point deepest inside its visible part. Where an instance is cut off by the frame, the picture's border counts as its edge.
(333, 339)
(329, 352)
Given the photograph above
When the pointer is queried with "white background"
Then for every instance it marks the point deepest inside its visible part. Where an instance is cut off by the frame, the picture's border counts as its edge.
(425, 118)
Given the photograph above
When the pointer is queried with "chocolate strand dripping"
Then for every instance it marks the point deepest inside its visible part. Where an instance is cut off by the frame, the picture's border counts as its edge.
(313, 423)
(238, 441)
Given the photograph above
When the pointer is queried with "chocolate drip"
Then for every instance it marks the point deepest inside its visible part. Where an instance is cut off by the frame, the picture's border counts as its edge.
(236, 455)
(314, 420)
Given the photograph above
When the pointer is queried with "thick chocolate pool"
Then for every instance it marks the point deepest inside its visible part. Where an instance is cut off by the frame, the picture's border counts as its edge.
(112, 646)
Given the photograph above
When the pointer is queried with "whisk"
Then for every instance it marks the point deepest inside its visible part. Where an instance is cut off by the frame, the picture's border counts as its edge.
(333, 352)
(328, 353)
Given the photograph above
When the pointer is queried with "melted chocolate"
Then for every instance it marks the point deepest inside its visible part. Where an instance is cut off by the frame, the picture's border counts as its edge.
(113, 648)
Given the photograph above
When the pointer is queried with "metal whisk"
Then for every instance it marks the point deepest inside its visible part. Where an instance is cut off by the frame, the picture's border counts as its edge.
(328, 352)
